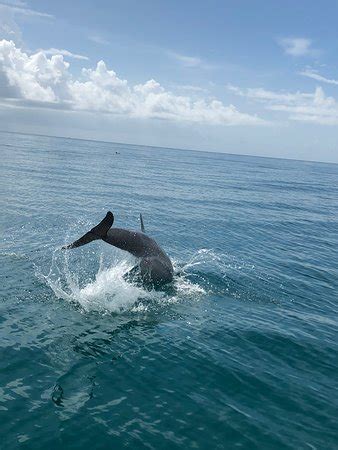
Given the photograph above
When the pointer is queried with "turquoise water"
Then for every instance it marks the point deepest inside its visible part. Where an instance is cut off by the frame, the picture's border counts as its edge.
(239, 352)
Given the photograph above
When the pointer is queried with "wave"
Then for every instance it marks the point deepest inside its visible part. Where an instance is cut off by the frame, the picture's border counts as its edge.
(13, 255)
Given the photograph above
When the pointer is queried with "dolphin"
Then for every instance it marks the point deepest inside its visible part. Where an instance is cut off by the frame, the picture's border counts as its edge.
(155, 266)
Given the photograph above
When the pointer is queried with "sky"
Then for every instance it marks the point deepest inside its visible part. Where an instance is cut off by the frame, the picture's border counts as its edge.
(237, 76)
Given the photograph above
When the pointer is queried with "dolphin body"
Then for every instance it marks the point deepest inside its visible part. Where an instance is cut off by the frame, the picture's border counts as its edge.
(155, 266)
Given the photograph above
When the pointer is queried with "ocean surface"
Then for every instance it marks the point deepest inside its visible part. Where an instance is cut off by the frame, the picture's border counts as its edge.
(241, 351)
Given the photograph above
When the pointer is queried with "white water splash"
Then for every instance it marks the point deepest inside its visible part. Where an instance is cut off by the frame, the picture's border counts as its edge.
(209, 260)
(108, 290)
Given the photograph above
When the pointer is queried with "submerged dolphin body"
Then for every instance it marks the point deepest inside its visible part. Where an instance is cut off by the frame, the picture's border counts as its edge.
(155, 266)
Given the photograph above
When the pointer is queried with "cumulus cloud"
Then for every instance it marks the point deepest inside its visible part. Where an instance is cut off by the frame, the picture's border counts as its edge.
(38, 78)
(316, 76)
(297, 46)
(313, 107)
(33, 77)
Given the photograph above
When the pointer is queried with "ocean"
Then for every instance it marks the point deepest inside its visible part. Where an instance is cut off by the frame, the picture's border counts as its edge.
(240, 351)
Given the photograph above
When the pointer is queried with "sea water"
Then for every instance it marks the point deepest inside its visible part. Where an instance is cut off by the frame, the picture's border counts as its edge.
(240, 351)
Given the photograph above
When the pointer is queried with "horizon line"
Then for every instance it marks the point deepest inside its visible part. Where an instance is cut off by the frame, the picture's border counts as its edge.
(168, 148)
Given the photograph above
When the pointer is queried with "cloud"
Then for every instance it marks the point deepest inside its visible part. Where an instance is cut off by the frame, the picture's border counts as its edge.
(20, 8)
(9, 29)
(57, 51)
(37, 78)
(297, 46)
(320, 110)
(313, 107)
(98, 39)
(190, 61)
(33, 77)
(264, 95)
(187, 61)
(9, 11)
(190, 88)
(15, 3)
(316, 76)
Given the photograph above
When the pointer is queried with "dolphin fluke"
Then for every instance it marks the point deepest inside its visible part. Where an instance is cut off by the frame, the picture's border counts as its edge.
(102, 228)
(98, 232)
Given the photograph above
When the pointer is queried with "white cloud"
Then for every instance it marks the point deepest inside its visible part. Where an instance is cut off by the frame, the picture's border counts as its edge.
(316, 76)
(9, 11)
(265, 95)
(98, 39)
(34, 77)
(187, 61)
(20, 8)
(313, 107)
(190, 88)
(15, 3)
(8, 27)
(38, 78)
(297, 46)
(57, 51)
(190, 61)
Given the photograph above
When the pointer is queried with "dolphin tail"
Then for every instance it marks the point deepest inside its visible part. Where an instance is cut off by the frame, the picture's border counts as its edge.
(142, 225)
(98, 232)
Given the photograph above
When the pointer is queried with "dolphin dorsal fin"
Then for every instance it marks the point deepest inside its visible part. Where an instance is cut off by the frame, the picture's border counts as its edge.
(142, 224)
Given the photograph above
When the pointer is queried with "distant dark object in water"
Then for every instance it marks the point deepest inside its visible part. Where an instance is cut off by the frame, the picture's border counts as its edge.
(155, 266)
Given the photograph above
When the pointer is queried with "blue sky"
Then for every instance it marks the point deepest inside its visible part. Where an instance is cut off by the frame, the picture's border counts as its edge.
(247, 77)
